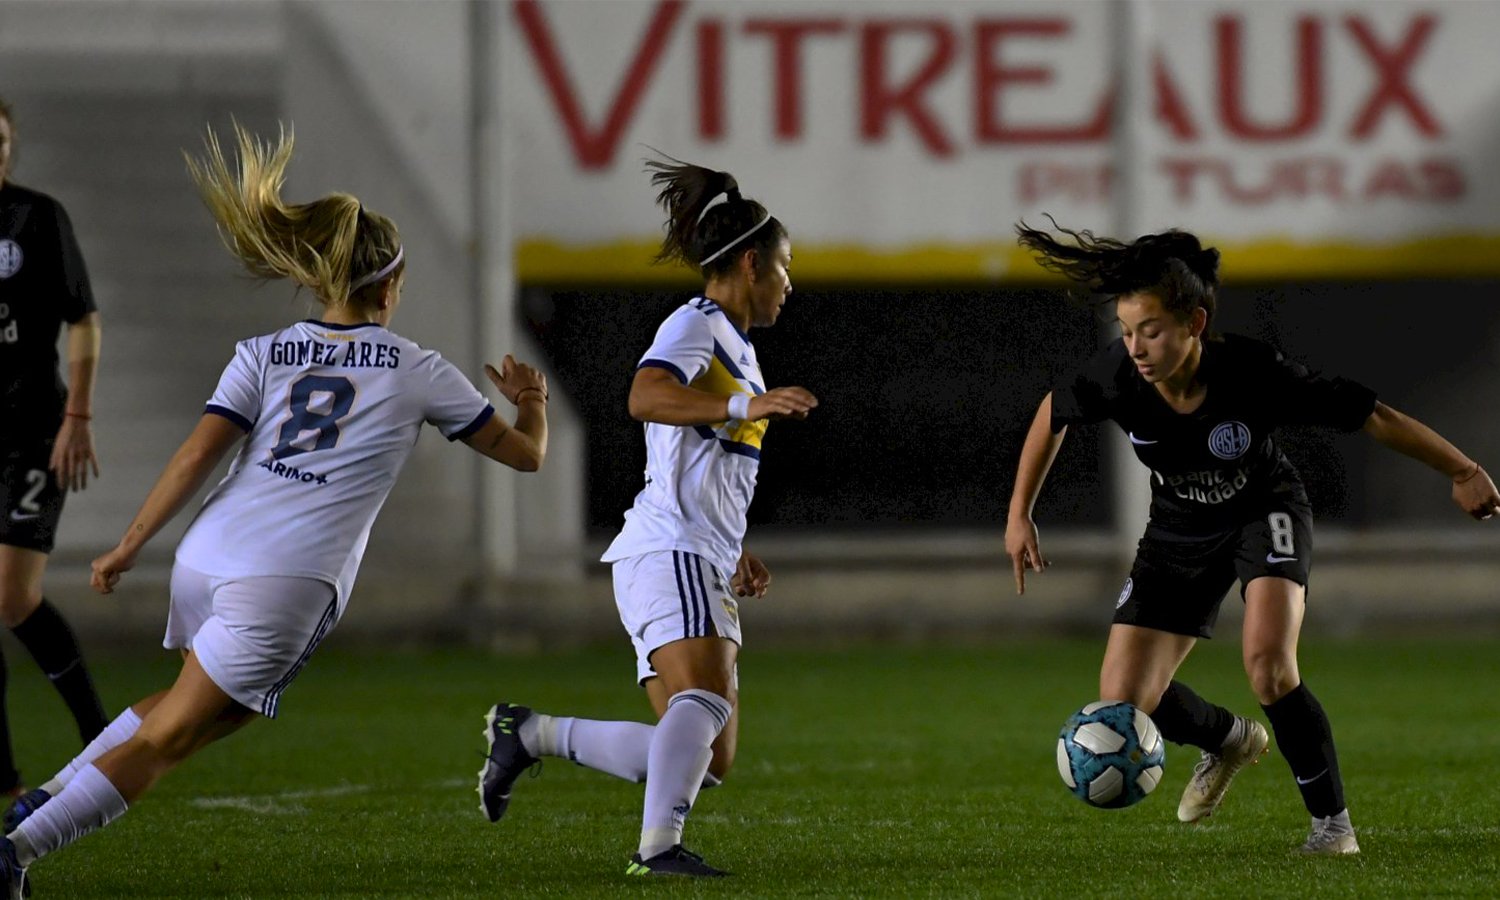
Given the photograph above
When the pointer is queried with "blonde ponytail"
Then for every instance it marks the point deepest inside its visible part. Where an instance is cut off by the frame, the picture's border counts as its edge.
(319, 245)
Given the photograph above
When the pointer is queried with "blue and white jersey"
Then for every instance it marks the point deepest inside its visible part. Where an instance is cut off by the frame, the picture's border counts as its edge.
(699, 478)
(332, 412)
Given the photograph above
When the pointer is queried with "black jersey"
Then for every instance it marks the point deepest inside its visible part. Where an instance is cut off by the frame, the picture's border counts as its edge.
(1213, 468)
(43, 284)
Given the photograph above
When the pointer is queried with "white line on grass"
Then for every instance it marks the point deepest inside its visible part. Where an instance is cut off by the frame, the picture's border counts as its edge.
(288, 803)
(284, 803)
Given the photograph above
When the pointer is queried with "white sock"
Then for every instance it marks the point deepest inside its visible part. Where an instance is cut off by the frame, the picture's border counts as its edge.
(122, 729)
(88, 803)
(681, 749)
(614, 748)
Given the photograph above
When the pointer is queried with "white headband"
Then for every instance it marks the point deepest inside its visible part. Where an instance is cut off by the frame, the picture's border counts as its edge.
(380, 275)
(720, 252)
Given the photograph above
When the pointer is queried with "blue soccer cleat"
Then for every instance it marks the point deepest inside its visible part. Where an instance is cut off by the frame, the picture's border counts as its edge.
(12, 876)
(676, 861)
(23, 807)
(506, 759)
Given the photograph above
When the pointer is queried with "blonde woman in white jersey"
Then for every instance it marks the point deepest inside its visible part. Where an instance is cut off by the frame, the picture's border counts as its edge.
(326, 412)
(679, 563)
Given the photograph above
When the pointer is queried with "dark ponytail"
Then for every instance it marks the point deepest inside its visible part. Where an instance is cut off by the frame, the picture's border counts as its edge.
(1172, 265)
(693, 236)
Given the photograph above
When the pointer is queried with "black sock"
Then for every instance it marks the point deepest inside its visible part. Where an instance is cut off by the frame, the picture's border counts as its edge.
(1186, 718)
(47, 635)
(9, 777)
(1306, 740)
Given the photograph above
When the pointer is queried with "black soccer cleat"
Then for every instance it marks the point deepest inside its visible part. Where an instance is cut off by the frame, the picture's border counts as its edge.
(12, 876)
(506, 759)
(23, 807)
(676, 861)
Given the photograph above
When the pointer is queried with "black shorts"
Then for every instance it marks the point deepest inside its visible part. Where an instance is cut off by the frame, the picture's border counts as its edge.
(31, 500)
(1178, 582)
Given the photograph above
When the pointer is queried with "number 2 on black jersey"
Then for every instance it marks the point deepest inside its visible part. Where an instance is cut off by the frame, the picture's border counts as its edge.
(38, 481)
(311, 412)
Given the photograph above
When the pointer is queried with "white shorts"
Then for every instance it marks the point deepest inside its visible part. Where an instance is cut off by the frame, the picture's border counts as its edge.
(251, 635)
(671, 595)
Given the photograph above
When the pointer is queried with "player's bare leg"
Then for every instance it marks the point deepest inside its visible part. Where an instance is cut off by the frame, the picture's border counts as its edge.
(194, 713)
(1139, 665)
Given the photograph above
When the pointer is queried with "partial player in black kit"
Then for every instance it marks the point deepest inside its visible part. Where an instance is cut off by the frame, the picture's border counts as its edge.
(46, 445)
(1226, 505)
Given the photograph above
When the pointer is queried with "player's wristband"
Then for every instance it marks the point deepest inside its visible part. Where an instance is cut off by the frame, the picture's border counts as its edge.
(74, 415)
(739, 406)
(522, 393)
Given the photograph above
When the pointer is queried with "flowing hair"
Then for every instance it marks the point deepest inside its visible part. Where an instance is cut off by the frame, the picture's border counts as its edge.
(324, 245)
(709, 238)
(1172, 265)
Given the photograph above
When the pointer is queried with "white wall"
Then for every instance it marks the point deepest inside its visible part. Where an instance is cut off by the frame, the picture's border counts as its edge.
(394, 117)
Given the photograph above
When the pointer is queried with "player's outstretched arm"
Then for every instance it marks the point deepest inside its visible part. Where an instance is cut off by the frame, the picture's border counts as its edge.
(1021, 539)
(522, 446)
(189, 468)
(657, 396)
(1473, 490)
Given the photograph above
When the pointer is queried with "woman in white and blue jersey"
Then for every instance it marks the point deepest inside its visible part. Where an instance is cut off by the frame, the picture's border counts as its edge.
(325, 413)
(679, 562)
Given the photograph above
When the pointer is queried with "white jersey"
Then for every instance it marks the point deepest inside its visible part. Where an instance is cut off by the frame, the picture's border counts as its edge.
(699, 478)
(332, 413)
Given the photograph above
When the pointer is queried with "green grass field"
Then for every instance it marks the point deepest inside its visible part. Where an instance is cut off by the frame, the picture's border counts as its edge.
(868, 771)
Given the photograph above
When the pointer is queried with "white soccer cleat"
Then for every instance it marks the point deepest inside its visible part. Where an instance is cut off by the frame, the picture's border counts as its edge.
(1211, 777)
(1333, 836)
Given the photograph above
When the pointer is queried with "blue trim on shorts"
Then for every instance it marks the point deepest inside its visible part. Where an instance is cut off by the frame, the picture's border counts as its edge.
(681, 592)
(702, 592)
(687, 569)
(272, 699)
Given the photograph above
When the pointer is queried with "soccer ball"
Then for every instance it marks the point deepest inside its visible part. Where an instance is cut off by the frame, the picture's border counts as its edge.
(1110, 755)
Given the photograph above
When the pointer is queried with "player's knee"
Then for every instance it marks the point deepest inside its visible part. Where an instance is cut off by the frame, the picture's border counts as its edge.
(1272, 675)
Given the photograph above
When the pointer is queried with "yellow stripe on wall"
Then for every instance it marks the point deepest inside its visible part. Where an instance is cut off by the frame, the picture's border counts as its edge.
(629, 262)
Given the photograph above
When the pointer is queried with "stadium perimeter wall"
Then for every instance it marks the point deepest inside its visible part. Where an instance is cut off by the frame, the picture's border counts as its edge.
(394, 104)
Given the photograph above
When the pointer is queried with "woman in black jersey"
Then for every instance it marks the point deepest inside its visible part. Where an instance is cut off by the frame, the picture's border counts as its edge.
(46, 447)
(1199, 410)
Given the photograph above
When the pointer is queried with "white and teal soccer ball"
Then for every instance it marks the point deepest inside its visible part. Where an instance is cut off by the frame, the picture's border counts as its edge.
(1110, 755)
